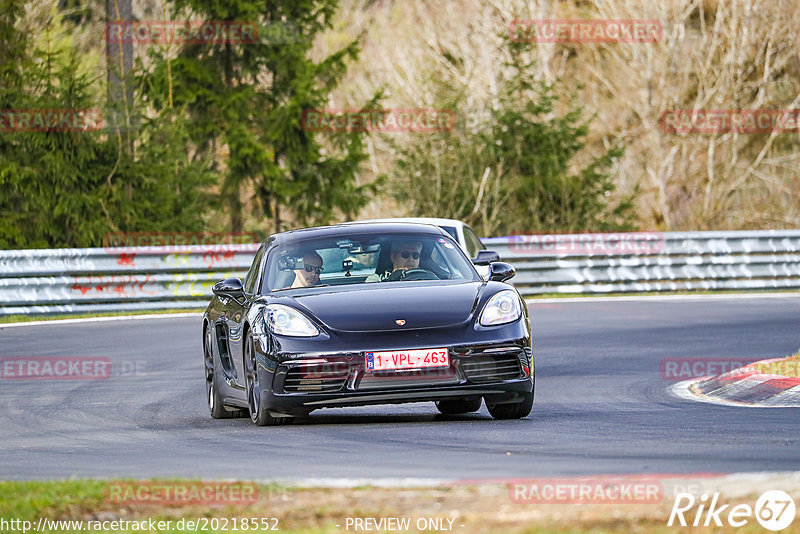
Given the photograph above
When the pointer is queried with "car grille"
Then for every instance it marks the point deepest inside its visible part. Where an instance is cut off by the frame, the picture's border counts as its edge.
(480, 367)
(401, 379)
(321, 378)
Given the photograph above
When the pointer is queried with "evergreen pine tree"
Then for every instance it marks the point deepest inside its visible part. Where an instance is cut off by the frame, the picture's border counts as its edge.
(70, 188)
(49, 180)
(511, 172)
(245, 100)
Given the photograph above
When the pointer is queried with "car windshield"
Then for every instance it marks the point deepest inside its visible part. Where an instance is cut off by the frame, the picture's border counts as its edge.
(366, 259)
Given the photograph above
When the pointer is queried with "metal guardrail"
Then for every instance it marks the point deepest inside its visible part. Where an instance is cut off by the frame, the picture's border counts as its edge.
(152, 278)
(122, 279)
(652, 262)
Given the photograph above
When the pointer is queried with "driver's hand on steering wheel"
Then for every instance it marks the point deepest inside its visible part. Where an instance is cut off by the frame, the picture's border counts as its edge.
(397, 274)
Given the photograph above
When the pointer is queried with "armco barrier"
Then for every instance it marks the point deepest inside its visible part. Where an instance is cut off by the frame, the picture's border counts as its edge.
(124, 279)
(151, 278)
(675, 261)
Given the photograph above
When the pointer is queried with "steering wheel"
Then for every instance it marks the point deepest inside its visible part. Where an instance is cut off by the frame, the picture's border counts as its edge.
(413, 274)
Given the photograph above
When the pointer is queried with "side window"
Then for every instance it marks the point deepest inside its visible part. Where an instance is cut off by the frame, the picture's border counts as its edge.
(439, 256)
(252, 274)
(438, 259)
(473, 243)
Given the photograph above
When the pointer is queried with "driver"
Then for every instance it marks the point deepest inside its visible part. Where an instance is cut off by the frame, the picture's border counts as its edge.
(405, 256)
(309, 275)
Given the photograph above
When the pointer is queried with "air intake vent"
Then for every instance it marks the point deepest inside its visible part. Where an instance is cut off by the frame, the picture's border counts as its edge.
(486, 368)
(320, 378)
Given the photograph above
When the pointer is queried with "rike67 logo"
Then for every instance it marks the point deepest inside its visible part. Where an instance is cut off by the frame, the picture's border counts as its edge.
(774, 510)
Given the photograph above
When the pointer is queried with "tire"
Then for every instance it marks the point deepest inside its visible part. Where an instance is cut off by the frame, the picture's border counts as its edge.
(215, 406)
(259, 414)
(512, 410)
(459, 406)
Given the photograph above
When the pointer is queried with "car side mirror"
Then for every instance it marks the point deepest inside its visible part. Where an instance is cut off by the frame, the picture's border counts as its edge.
(500, 271)
(485, 257)
(230, 287)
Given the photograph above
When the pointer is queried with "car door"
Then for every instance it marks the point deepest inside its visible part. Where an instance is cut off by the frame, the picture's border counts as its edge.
(236, 314)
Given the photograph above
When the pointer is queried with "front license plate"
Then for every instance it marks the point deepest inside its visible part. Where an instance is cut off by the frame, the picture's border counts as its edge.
(407, 359)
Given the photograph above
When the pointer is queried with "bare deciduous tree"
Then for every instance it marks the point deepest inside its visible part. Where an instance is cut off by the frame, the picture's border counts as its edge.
(713, 55)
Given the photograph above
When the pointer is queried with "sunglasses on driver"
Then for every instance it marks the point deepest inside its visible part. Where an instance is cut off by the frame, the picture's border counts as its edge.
(406, 254)
(314, 268)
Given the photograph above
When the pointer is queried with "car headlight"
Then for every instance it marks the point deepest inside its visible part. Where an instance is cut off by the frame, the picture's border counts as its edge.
(502, 308)
(286, 321)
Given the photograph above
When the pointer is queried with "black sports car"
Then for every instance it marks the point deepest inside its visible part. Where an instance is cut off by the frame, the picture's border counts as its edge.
(366, 313)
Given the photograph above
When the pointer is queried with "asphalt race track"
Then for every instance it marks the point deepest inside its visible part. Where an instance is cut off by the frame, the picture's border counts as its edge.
(601, 406)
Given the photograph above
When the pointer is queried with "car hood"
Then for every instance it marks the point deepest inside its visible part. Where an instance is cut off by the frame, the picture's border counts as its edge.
(379, 308)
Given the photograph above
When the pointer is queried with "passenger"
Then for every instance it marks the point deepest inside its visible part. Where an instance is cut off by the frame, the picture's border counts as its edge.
(309, 275)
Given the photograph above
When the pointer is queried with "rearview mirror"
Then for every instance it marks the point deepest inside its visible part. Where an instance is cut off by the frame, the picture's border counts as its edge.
(485, 257)
(230, 287)
(500, 271)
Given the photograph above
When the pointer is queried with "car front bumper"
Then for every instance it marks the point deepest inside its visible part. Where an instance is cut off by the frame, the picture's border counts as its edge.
(499, 372)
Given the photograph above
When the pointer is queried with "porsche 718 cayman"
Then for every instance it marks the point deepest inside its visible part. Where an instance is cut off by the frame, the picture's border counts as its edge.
(361, 314)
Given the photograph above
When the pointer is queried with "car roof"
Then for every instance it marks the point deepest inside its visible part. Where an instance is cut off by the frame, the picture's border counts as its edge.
(437, 221)
(364, 227)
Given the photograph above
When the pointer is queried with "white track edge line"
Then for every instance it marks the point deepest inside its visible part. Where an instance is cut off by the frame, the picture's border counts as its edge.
(103, 319)
(743, 296)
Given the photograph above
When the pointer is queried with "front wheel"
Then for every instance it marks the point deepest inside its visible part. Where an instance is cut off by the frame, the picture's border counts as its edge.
(215, 406)
(512, 410)
(259, 414)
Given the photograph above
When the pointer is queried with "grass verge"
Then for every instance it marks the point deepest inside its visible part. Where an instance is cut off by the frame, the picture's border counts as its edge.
(788, 367)
(466, 509)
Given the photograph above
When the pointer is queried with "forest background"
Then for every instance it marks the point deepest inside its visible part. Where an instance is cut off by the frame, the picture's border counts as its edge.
(549, 137)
